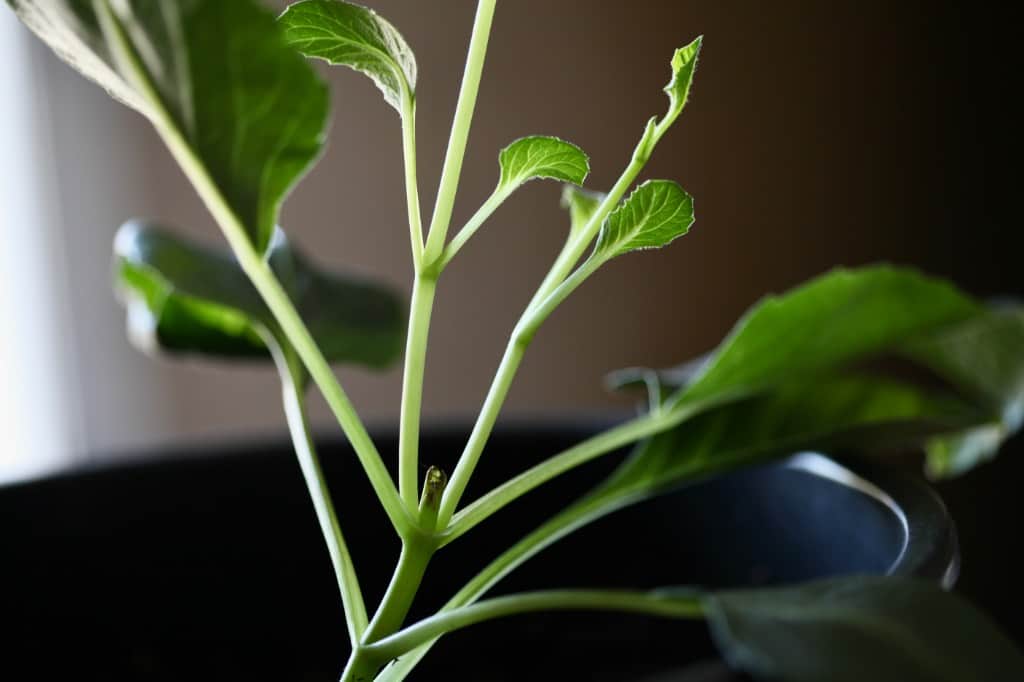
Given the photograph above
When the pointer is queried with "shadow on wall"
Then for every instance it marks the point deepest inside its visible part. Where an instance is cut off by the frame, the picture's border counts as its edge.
(819, 133)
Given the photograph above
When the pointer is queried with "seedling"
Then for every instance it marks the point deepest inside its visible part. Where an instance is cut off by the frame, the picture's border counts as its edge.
(227, 88)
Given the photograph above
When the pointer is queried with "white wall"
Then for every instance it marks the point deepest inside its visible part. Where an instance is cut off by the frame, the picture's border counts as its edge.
(70, 169)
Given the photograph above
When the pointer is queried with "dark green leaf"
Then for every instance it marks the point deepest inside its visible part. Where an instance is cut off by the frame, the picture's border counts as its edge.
(656, 213)
(538, 156)
(218, 72)
(984, 358)
(845, 317)
(836, 319)
(347, 34)
(853, 629)
(847, 412)
(185, 298)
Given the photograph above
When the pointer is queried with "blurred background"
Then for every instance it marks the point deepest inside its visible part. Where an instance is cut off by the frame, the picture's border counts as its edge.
(819, 133)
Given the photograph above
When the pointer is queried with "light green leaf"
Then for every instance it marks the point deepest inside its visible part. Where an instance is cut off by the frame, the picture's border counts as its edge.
(535, 157)
(581, 204)
(343, 33)
(656, 213)
(684, 64)
(219, 73)
(852, 629)
(185, 298)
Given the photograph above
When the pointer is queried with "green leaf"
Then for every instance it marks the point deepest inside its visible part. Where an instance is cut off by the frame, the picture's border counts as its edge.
(845, 411)
(581, 204)
(656, 213)
(684, 64)
(218, 73)
(853, 629)
(185, 298)
(984, 358)
(834, 320)
(346, 34)
(535, 157)
(808, 339)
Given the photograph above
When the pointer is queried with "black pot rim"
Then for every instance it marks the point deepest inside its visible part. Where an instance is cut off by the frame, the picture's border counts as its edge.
(930, 545)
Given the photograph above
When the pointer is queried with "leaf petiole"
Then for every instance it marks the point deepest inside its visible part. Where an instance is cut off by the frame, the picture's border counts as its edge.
(293, 390)
(485, 211)
(460, 132)
(652, 603)
(585, 451)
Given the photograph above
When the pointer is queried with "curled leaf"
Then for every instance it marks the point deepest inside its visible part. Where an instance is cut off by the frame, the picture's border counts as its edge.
(684, 65)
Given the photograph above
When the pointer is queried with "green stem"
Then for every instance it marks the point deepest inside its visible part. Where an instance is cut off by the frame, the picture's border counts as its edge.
(412, 564)
(473, 224)
(579, 242)
(582, 512)
(412, 387)
(363, 663)
(260, 273)
(292, 380)
(460, 132)
(426, 268)
(592, 448)
(496, 394)
(549, 600)
(412, 194)
(528, 323)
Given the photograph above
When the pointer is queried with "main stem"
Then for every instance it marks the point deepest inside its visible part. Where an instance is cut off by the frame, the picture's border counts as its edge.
(412, 564)
(419, 546)
(427, 266)
(293, 389)
(421, 306)
(460, 132)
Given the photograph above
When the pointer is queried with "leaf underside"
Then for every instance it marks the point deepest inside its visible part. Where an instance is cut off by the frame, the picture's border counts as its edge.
(183, 298)
(860, 628)
(219, 73)
(346, 34)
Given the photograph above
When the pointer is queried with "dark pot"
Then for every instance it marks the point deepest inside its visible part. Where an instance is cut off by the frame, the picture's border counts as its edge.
(194, 568)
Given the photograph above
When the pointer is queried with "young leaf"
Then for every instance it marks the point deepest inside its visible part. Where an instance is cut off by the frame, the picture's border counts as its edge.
(684, 64)
(185, 298)
(581, 204)
(219, 73)
(343, 33)
(537, 157)
(852, 629)
(656, 213)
